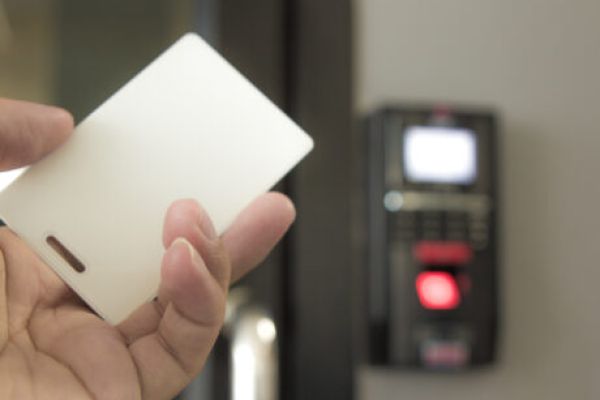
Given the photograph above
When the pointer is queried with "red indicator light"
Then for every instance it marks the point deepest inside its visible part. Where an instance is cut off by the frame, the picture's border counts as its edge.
(437, 290)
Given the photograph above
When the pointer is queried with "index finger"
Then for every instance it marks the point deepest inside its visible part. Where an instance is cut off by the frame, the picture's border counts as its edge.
(29, 131)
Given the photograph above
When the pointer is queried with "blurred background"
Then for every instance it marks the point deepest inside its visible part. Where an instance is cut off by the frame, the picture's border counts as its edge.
(300, 326)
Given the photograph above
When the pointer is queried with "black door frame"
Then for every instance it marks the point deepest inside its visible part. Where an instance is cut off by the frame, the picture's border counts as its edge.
(300, 53)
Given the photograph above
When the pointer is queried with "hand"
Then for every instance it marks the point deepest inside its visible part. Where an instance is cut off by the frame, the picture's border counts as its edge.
(53, 346)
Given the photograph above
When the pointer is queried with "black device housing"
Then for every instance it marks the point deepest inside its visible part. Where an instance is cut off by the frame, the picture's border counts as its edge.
(401, 330)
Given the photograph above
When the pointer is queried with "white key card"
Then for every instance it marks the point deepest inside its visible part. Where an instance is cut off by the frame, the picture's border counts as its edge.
(188, 126)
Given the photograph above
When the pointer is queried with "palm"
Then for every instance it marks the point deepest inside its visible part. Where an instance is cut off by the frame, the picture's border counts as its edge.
(53, 346)
(56, 347)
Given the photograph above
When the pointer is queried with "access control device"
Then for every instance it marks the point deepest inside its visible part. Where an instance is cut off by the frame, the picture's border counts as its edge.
(432, 242)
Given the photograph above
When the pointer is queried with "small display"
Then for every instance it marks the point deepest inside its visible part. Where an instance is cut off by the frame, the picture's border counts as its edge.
(439, 154)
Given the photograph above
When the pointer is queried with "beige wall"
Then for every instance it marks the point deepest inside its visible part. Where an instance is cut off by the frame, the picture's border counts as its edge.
(538, 61)
(28, 51)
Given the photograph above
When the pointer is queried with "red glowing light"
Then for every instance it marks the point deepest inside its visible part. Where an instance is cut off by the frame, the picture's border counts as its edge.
(437, 290)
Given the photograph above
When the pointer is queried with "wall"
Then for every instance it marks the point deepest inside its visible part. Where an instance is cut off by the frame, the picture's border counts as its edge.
(27, 50)
(27, 55)
(538, 62)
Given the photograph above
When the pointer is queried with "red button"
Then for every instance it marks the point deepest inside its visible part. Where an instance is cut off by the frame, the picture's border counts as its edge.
(442, 253)
(437, 290)
(445, 354)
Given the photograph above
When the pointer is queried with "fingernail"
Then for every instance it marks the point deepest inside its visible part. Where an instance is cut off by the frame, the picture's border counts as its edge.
(180, 241)
(206, 226)
(291, 206)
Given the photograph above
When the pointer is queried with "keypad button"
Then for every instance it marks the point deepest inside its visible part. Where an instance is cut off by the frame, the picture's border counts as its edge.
(442, 252)
(445, 354)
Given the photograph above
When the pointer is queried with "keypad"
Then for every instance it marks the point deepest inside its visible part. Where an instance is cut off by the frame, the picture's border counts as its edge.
(440, 225)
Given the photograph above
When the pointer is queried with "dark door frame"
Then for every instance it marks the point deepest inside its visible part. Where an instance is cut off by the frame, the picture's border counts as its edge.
(300, 53)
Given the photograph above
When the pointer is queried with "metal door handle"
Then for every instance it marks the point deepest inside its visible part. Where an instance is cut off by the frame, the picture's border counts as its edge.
(253, 349)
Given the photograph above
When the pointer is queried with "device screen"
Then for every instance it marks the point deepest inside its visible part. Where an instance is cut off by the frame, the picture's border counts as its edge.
(439, 154)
